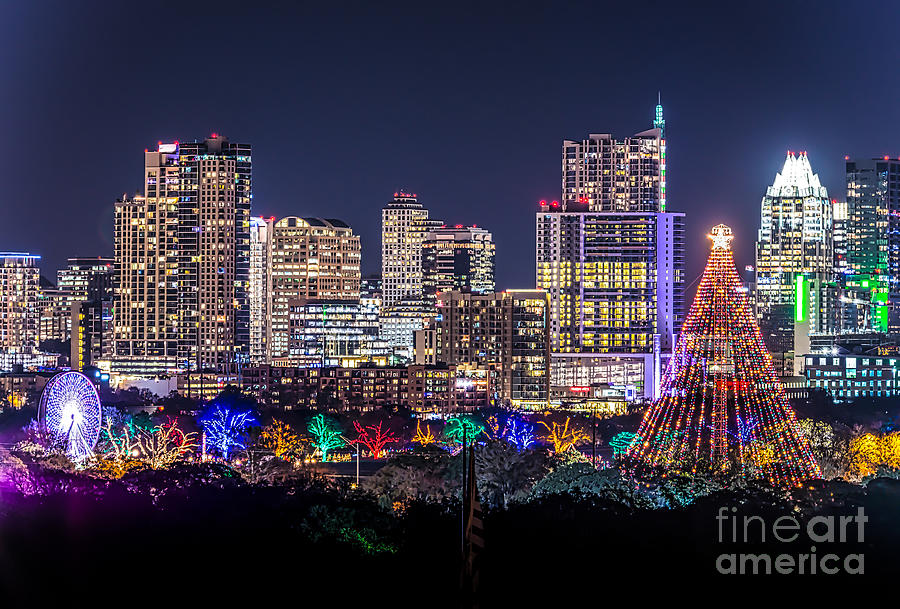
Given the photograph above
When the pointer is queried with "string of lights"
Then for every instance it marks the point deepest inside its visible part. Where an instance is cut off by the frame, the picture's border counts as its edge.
(721, 405)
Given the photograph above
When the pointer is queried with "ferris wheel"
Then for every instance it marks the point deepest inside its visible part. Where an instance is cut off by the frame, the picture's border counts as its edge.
(70, 414)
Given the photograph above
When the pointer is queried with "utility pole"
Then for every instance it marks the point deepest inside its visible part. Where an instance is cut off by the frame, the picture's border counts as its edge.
(594, 433)
(464, 472)
(357, 464)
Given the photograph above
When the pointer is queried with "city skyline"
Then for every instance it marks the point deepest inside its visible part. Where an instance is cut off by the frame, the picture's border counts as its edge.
(416, 121)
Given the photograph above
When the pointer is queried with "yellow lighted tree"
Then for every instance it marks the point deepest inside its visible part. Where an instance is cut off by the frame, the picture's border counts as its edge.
(279, 437)
(165, 444)
(423, 437)
(564, 437)
(869, 452)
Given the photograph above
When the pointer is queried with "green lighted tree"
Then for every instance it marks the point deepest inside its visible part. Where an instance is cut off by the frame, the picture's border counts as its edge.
(459, 426)
(326, 435)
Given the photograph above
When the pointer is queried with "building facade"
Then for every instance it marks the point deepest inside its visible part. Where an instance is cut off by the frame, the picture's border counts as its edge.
(871, 281)
(403, 224)
(19, 304)
(332, 333)
(145, 299)
(423, 389)
(87, 279)
(55, 306)
(457, 258)
(182, 261)
(312, 259)
(795, 259)
(399, 323)
(850, 377)
(616, 286)
(603, 174)
(509, 331)
(215, 190)
(611, 258)
(92, 333)
(260, 289)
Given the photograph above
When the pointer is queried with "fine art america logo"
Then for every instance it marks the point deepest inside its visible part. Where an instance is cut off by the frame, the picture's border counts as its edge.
(735, 530)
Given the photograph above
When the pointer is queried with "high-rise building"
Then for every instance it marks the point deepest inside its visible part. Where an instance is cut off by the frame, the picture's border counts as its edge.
(19, 300)
(145, 300)
(87, 279)
(795, 260)
(508, 331)
(183, 260)
(616, 287)
(457, 258)
(403, 225)
(604, 174)
(871, 282)
(55, 310)
(312, 259)
(214, 185)
(612, 261)
(260, 288)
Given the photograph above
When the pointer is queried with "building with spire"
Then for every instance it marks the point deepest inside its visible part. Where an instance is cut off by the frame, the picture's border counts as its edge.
(612, 261)
(795, 290)
(601, 173)
(659, 122)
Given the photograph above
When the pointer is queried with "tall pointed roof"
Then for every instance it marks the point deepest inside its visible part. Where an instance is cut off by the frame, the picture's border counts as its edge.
(796, 179)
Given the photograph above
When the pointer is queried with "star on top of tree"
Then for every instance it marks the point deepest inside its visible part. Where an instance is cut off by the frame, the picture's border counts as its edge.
(721, 236)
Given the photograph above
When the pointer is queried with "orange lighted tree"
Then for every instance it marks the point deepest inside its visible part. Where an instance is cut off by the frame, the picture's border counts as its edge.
(423, 437)
(280, 438)
(564, 437)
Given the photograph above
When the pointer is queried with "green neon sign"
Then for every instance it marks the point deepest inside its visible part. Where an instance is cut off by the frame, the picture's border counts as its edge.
(802, 299)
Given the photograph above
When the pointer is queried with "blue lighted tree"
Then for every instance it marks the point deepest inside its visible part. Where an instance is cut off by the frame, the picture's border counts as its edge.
(519, 433)
(226, 425)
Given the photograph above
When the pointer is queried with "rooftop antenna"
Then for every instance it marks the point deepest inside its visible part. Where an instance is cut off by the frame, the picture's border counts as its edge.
(659, 122)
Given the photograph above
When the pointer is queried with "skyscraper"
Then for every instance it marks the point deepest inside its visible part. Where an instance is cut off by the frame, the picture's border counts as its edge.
(145, 300)
(403, 225)
(19, 293)
(183, 260)
(604, 174)
(795, 259)
(214, 252)
(612, 261)
(616, 286)
(871, 281)
(313, 259)
(457, 258)
(260, 288)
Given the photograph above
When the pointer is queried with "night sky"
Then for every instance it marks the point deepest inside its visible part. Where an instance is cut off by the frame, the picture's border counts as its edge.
(464, 105)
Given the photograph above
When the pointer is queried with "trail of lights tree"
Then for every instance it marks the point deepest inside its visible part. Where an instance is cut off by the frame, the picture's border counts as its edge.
(721, 405)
